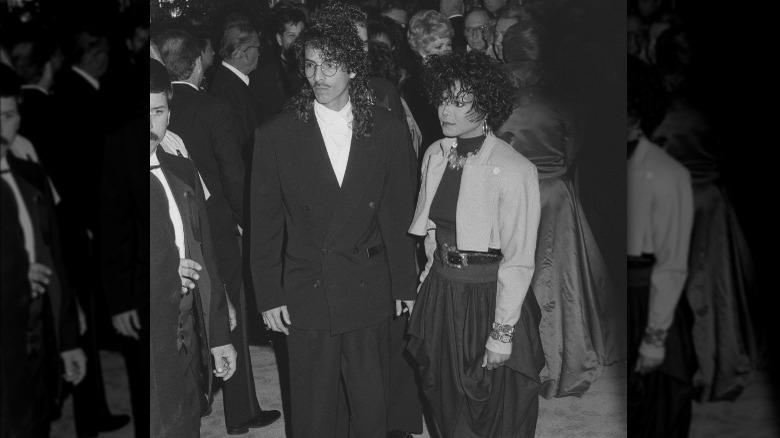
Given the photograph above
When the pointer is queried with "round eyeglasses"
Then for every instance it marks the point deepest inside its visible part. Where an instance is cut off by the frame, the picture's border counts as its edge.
(328, 68)
(474, 31)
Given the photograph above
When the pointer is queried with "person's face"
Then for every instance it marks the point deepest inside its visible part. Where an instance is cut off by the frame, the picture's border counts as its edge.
(9, 121)
(438, 46)
(330, 91)
(385, 39)
(288, 37)
(494, 5)
(207, 55)
(475, 26)
(159, 115)
(363, 34)
(250, 55)
(498, 36)
(456, 117)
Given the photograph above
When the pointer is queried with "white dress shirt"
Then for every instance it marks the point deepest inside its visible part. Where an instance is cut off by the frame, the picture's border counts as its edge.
(173, 209)
(24, 215)
(238, 73)
(336, 128)
(92, 81)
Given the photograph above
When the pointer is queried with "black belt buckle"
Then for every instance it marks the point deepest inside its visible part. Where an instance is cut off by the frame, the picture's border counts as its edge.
(454, 258)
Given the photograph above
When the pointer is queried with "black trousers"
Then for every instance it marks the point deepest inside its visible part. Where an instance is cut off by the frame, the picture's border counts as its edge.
(322, 365)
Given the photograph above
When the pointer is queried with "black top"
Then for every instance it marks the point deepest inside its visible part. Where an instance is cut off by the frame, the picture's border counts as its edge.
(445, 201)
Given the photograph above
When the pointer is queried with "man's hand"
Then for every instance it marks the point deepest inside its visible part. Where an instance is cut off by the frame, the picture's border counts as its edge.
(646, 364)
(224, 361)
(399, 308)
(275, 319)
(39, 276)
(75, 365)
(231, 314)
(493, 360)
(188, 271)
(126, 323)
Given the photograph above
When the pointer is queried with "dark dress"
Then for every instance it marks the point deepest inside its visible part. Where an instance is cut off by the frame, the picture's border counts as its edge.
(583, 321)
(449, 326)
(721, 273)
(659, 403)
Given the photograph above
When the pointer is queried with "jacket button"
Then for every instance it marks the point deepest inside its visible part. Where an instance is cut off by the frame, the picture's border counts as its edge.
(307, 208)
(496, 171)
(316, 283)
(325, 250)
(372, 205)
(362, 284)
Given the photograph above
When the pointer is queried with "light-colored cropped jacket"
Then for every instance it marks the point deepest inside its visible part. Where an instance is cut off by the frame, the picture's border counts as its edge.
(498, 207)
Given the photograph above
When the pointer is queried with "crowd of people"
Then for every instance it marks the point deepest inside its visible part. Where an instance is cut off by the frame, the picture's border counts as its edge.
(66, 87)
(691, 274)
(288, 148)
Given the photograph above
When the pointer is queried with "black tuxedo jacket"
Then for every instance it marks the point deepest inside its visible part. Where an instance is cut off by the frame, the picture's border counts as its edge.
(33, 183)
(208, 127)
(248, 110)
(347, 255)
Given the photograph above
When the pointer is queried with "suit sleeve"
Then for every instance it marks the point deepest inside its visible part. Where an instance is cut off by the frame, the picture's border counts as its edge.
(219, 322)
(267, 224)
(519, 210)
(396, 212)
(227, 148)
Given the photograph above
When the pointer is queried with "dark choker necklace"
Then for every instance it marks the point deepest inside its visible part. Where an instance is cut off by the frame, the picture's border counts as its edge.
(456, 161)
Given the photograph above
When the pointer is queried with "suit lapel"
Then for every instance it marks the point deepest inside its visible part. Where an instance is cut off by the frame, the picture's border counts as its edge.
(316, 172)
(360, 168)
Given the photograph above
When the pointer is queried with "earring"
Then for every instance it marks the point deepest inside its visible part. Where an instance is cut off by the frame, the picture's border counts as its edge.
(485, 128)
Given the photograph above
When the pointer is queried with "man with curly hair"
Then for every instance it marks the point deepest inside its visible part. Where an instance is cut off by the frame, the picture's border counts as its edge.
(331, 193)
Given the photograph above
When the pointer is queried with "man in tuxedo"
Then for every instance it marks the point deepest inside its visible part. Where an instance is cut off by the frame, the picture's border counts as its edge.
(188, 311)
(289, 22)
(40, 323)
(206, 126)
(239, 50)
(331, 194)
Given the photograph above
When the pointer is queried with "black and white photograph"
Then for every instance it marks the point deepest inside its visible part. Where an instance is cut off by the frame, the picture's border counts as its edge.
(384, 218)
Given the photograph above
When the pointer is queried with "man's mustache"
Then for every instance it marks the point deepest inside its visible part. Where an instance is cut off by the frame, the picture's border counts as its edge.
(153, 136)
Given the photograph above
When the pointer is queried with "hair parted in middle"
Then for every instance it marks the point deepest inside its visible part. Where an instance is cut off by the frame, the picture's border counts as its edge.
(479, 76)
(342, 46)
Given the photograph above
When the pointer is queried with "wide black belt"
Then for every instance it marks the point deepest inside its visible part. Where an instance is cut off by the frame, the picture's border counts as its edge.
(454, 258)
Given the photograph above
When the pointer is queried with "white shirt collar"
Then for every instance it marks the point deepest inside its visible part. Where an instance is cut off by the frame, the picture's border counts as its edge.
(35, 87)
(342, 116)
(92, 81)
(4, 162)
(240, 75)
(153, 160)
(187, 83)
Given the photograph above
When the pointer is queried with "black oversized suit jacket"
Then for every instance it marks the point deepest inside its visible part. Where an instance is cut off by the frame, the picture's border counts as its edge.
(248, 111)
(330, 273)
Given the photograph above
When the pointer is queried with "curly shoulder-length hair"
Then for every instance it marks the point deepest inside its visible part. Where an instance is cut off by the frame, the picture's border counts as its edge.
(479, 76)
(341, 45)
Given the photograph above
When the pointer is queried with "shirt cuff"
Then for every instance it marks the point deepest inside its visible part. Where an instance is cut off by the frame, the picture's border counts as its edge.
(498, 346)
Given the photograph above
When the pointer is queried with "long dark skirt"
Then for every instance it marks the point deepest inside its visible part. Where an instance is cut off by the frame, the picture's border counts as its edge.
(659, 403)
(450, 324)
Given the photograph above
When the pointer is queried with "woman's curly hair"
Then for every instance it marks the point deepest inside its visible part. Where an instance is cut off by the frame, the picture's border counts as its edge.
(479, 76)
(341, 45)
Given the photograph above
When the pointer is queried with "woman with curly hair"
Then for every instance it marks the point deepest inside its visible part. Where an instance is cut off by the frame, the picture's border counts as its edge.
(475, 327)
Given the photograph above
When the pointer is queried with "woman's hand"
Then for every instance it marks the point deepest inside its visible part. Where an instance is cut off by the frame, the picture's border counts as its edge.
(492, 360)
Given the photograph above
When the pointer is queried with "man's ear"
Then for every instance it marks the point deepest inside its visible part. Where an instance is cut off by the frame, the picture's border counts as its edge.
(279, 39)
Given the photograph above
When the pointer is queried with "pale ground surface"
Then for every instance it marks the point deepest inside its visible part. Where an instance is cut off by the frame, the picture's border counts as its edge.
(599, 413)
